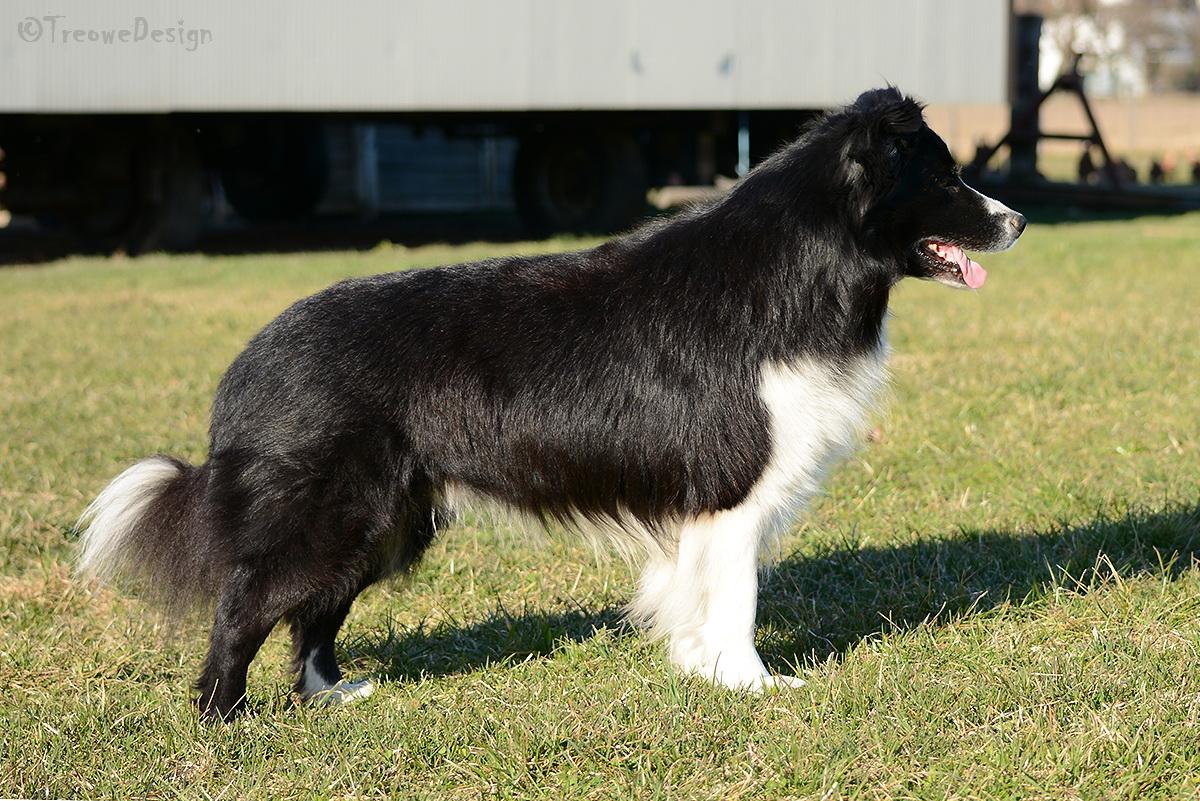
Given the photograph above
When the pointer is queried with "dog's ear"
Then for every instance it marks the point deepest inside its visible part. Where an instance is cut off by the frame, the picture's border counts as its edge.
(891, 113)
(882, 118)
(880, 125)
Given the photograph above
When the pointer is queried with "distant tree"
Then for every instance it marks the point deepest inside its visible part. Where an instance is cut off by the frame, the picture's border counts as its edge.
(1163, 36)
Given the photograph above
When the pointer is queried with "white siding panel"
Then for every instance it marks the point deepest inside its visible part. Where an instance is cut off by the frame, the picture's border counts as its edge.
(505, 54)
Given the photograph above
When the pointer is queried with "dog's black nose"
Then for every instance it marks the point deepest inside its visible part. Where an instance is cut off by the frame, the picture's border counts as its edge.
(1017, 221)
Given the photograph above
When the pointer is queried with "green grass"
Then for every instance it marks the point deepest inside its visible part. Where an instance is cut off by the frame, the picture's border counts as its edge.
(999, 599)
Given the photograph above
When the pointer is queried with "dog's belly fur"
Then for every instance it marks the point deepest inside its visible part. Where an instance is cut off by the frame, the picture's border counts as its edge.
(816, 415)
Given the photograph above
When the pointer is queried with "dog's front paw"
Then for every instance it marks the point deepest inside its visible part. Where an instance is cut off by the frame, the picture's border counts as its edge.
(779, 682)
(733, 669)
(755, 682)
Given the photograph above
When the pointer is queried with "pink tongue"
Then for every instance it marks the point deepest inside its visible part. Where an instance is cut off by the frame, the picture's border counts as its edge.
(973, 274)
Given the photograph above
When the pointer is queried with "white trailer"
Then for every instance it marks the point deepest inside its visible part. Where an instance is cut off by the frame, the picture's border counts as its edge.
(109, 110)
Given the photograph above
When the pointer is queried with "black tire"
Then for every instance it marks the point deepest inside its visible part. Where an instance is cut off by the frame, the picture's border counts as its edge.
(569, 181)
(104, 219)
(275, 170)
(145, 191)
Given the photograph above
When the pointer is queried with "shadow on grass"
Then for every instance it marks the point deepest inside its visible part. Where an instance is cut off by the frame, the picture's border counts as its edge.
(819, 607)
(812, 608)
(503, 637)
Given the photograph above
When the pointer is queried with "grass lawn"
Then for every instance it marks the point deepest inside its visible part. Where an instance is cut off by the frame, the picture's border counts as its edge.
(999, 599)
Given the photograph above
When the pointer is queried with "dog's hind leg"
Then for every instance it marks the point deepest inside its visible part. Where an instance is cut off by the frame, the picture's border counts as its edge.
(246, 613)
(319, 678)
(703, 600)
(315, 623)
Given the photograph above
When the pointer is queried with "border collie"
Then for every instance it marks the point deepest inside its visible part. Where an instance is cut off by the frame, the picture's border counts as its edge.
(683, 390)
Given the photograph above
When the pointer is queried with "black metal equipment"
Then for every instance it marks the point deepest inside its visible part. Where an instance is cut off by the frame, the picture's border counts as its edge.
(1022, 184)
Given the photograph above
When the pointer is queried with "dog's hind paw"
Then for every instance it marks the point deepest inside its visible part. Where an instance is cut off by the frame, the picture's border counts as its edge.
(342, 693)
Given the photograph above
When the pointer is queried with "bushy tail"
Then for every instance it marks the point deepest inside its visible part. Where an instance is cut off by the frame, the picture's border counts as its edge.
(151, 527)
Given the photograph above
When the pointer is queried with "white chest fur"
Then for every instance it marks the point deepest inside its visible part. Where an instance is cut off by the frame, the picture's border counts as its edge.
(703, 597)
(818, 416)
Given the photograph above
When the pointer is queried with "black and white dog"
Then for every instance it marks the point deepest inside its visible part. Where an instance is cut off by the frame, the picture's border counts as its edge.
(683, 389)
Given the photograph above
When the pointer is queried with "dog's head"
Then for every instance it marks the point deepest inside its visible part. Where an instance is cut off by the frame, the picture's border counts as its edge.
(912, 207)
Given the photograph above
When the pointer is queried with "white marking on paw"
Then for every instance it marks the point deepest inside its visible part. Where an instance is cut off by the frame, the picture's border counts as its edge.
(319, 690)
(342, 693)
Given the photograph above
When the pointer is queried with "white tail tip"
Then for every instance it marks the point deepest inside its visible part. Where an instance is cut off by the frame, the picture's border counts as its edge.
(116, 512)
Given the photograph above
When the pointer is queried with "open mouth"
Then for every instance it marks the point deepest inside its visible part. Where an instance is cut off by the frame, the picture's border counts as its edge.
(950, 264)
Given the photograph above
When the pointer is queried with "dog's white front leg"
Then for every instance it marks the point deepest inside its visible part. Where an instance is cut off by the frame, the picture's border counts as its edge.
(704, 602)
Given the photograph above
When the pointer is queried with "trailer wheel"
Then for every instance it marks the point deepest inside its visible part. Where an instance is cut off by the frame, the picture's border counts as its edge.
(106, 204)
(102, 226)
(575, 182)
(140, 186)
(275, 170)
